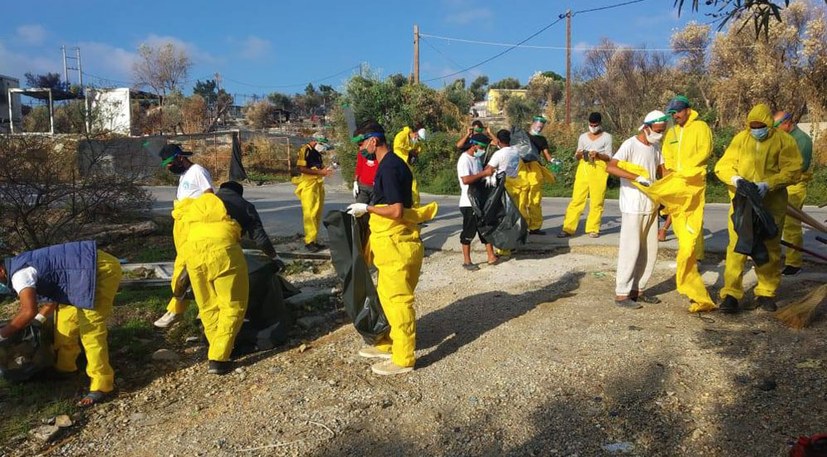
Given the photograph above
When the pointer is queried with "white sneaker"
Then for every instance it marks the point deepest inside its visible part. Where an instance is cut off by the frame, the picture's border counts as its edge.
(167, 320)
(387, 368)
(370, 352)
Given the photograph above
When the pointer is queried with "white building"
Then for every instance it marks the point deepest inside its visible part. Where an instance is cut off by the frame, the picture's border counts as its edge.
(6, 83)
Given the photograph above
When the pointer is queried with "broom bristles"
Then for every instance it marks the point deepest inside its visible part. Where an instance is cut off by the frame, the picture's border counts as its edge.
(799, 314)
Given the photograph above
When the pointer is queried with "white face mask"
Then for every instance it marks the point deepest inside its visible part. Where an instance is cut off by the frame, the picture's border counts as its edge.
(595, 129)
(653, 137)
(320, 148)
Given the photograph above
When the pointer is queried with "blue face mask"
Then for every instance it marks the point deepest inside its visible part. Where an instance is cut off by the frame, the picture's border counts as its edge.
(760, 134)
(480, 153)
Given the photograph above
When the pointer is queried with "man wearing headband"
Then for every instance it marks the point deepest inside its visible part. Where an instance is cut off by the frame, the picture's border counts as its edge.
(797, 193)
(396, 247)
(769, 159)
(406, 144)
(193, 182)
(686, 150)
(477, 128)
(638, 248)
(469, 171)
(594, 150)
(533, 174)
(310, 188)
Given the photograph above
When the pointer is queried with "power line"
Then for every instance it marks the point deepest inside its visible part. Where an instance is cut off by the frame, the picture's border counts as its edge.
(450, 60)
(558, 48)
(294, 85)
(601, 8)
(498, 54)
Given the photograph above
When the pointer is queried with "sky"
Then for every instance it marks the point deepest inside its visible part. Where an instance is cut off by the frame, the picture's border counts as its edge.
(261, 47)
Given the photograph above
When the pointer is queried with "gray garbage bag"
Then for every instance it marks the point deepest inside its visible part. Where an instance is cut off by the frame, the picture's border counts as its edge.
(345, 235)
(28, 352)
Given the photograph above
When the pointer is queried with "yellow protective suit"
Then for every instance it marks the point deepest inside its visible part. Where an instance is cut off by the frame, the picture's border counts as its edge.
(310, 190)
(217, 269)
(796, 194)
(89, 326)
(775, 161)
(397, 255)
(686, 151)
(531, 177)
(589, 182)
(403, 146)
(175, 305)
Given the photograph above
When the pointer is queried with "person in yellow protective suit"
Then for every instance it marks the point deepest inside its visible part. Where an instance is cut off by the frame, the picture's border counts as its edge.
(594, 150)
(533, 175)
(406, 144)
(797, 193)
(79, 281)
(310, 188)
(686, 150)
(218, 273)
(396, 247)
(770, 159)
(193, 181)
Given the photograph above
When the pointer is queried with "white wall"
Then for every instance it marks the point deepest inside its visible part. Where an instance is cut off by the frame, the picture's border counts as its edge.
(111, 110)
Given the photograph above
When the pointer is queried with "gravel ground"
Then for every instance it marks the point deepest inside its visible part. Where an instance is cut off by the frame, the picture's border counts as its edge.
(528, 357)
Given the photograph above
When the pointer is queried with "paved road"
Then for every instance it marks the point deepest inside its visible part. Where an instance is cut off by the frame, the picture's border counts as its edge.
(281, 213)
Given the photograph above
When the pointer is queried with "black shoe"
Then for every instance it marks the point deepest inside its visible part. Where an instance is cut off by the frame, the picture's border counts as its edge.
(766, 303)
(220, 368)
(790, 270)
(628, 304)
(536, 232)
(649, 299)
(312, 247)
(729, 305)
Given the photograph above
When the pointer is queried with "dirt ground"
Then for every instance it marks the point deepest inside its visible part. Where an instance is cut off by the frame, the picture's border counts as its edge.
(529, 357)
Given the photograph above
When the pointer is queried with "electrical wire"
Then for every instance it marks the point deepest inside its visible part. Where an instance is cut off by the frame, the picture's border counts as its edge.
(557, 48)
(279, 86)
(601, 8)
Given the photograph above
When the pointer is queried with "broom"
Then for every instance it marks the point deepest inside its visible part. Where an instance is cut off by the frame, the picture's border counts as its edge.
(799, 314)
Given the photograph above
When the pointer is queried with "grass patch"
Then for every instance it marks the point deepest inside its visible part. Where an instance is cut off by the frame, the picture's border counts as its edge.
(301, 266)
(26, 405)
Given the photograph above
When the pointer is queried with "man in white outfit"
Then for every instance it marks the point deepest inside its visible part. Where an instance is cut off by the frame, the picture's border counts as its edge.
(638, 248)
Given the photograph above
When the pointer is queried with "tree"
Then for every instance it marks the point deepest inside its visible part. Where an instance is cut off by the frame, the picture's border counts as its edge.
(479, 87)
(216, 103)
(260, 115)
(544, 89)
(507, 83)
(47, 81)
(554, 76)
(281, 101)
(460, 97)
(758, 12)
(163, 69)
(691, 45)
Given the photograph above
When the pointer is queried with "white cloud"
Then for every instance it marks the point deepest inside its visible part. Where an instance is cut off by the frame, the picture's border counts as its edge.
(103, 60)
(254, 47)
(197, 55)
(16, 65)
(469, 16)
(32, 34)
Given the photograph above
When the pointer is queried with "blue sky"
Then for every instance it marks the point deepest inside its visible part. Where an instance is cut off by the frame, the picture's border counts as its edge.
(260, 47)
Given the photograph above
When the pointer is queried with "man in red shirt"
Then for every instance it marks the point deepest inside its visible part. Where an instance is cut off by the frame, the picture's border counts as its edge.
(363, 179)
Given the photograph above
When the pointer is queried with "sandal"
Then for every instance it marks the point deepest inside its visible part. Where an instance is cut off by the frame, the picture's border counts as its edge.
(92, 398)
(470, 266)
(494, 262)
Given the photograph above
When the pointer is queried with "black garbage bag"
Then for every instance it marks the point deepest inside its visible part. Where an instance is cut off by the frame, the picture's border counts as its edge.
(498, 219)
(752, 222)
(268, 318)
(28, 352)
(345, 235)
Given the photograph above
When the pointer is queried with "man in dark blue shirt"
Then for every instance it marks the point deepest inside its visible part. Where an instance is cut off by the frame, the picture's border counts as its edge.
(396, 247)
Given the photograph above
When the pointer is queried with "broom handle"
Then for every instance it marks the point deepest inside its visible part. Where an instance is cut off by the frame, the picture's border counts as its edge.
(806, 218)
(806, 251)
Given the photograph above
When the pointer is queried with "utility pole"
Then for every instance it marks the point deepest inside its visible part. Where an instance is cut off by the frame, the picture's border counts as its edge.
(568, 68)
(416, 55)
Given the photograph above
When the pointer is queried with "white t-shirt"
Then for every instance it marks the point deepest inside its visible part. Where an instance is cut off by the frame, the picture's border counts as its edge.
(466, 166)
(23, 278)
(633, 201)
(603, 144)
(506, 160)
(194, 182)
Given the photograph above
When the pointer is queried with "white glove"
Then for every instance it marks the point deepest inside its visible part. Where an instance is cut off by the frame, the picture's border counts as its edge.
(643, 181)
(763, 188)
(735, 180)
(357, 209)
(355, 189)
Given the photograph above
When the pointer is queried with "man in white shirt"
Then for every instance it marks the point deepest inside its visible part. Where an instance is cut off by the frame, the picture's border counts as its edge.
(469, 171)
(193, 182)
(507, 158)
(594, 150)
(638, 248)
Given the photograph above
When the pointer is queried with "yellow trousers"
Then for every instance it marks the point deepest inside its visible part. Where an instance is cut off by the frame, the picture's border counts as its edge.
(589, 182)
(532, 175)
(310, 190)
(796, 195)
(398, 259)
(88, 327)
(769, 274)
(688, 228)
(176, 306)
(218, 272)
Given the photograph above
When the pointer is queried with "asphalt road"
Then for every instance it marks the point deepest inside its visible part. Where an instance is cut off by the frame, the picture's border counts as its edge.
(281, 214)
